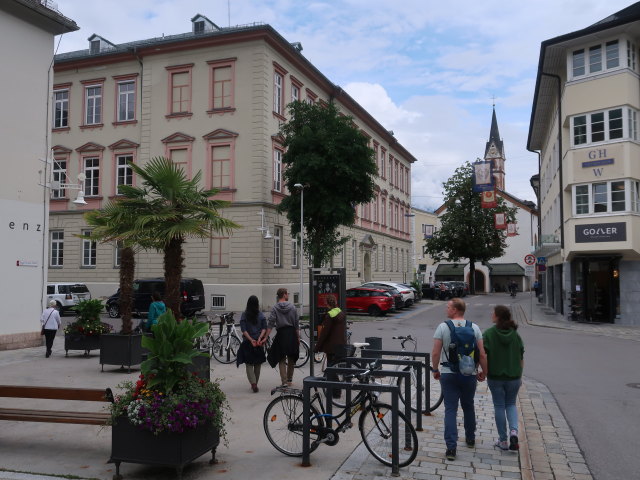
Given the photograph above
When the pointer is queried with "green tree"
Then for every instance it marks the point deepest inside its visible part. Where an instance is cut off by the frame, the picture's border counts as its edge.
(467, 231)
(329, 155)
(114, 222)
(167, 209)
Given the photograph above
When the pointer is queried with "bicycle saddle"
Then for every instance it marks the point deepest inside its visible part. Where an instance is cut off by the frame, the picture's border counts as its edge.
(360, 344)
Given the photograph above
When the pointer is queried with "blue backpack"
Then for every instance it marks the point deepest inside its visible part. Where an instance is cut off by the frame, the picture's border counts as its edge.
(463, 350)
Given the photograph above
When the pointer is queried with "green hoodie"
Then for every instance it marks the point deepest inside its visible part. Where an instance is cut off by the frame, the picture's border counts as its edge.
(505, 351)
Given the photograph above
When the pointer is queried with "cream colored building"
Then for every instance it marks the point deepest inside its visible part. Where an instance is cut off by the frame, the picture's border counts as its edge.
(213, 100)
(584, 124)
(27, 30)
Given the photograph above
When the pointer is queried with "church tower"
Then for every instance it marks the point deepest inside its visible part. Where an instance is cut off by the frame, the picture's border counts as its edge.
(494, 152)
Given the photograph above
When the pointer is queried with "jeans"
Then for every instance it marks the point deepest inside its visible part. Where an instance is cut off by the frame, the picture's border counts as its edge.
(504, 393)
(458, 388)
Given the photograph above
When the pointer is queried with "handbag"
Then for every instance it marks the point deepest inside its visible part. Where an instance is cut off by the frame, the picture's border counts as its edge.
(45, 322)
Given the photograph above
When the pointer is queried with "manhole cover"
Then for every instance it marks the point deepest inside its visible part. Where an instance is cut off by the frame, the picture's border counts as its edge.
(633, 385)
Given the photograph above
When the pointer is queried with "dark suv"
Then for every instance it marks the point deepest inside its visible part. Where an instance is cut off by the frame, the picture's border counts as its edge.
(191, 289)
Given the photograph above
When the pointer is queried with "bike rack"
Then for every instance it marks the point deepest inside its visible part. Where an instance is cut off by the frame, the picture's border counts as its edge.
(321, 382)
(426, 364)
(416, 365)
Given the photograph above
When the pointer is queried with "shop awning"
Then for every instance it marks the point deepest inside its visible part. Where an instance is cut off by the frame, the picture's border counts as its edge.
(450, 270)
(505, 269)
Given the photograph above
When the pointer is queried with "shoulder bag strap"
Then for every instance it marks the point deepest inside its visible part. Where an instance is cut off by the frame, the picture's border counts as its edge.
(47, 320)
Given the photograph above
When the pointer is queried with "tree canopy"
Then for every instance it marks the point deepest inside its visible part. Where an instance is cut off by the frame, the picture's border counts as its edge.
(331, 157)
(467, 231)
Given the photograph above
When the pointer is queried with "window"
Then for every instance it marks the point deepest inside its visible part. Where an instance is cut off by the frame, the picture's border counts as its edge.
(221, 166)
(295, 252)
(277, 170)
(124, 173)
(93, 105)
(384, 258)
(605, 197)
(198, 27)
(59, 175)
(219, 252)
(218, 302)
(126, 101)
(354, 254)
(117, 253)
(180, 90)
(391, 259)
(604, 126)
(277, 246)
(61, 108)
(599, 58)
(57, 248)
(295, 93)
(383, 162)
(383, 213)
(222, 88)
(88, 251)
(92, 176)
(278, 86)
(631, 55)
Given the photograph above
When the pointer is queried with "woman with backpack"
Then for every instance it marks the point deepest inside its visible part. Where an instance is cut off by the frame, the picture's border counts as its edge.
(505, 352)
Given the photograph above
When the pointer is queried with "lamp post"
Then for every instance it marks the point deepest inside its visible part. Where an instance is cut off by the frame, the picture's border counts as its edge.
(412, 228)
(301, 187)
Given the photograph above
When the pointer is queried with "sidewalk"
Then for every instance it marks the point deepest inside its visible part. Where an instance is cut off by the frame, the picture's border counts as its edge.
(548, 448)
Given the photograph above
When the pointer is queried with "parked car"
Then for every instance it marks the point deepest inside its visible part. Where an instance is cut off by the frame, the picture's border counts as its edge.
(416, 294)
(457, 288)
(67, 295)
(191, 289)
(374, 301)
(443, 290)
(407, 294)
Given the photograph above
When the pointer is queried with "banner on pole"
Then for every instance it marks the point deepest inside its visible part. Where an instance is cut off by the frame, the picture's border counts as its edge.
(512, 230)
(482, 176)
(488, 199)
(500, 221)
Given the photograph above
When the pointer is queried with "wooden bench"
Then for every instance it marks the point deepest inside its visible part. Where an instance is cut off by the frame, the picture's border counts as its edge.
(55, 393)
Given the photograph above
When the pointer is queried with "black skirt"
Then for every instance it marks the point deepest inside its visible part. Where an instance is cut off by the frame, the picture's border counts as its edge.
(250, 354)
(285, 344)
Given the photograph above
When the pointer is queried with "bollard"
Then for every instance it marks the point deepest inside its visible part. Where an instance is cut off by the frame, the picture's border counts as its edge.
(375, 343)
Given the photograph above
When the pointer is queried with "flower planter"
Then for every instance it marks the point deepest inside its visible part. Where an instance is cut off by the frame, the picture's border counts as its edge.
(74, 341)
(201, 366)
(131, 444)
(117, 349)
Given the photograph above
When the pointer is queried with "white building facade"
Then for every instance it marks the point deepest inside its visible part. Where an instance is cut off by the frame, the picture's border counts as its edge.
(27, 31)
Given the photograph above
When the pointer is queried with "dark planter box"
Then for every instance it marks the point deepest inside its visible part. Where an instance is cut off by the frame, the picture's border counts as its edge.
(201, 366)
(117, 349)
(131, 444)
(81, 342)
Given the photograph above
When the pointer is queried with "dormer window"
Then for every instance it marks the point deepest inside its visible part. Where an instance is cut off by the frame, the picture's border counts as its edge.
(202, 24)
(94, 47)
(198, 27)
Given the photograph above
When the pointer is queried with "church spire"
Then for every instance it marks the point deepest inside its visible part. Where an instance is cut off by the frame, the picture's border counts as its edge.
(494, 152)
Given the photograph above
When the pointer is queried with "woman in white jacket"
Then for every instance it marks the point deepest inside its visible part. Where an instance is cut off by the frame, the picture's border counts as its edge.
(50, 321)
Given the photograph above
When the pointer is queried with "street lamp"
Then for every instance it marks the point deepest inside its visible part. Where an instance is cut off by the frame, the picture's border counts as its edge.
(301, 187)
(412, 228)
(56, 185)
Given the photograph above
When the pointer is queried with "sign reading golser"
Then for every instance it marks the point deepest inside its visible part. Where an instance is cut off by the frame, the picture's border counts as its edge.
(601, 232)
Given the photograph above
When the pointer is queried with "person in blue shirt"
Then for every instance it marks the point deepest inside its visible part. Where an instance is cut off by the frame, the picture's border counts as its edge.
(156, 309)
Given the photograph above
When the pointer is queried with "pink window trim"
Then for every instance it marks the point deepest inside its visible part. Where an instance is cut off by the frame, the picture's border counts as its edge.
(86, 84)
(114, 167)
(117, 80)
(99, 155)
(231, 143)
(63, 86)
(213, 64)
(168, 148)
(219, 255)
(186, 68)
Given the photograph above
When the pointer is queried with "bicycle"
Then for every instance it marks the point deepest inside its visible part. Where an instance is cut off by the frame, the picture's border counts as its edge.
(225, 347)
(435, 390)
(283, 424)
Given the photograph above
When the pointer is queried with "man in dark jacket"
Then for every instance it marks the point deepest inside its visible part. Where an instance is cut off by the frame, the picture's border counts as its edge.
(333, 336)
(286, 345)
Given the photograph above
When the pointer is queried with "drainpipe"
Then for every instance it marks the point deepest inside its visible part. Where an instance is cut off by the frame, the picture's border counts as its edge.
(557, 77)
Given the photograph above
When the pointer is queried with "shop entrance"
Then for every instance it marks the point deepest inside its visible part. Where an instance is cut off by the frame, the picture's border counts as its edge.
(595, 295)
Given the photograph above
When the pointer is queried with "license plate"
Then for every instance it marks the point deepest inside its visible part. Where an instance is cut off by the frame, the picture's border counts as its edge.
(196, 297)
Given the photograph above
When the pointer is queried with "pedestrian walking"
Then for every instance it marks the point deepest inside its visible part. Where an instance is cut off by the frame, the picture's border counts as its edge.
(333, 337)
(536, 287)
(505, 353)
(156, 309)
(50, 322)
(457, 388)
(286, 345)
(253, 325)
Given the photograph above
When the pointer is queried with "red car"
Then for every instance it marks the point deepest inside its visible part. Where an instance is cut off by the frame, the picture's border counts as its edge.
(374, 301)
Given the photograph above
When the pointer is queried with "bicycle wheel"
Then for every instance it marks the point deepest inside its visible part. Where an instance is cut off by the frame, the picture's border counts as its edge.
(282, 424)
(206, 341)
(318, 357)
(303, 356)
(225, 348)
(428, 405)
(375, 429)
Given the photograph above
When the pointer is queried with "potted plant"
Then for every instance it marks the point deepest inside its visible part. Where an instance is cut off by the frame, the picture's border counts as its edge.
(84, 333)
(170, 416)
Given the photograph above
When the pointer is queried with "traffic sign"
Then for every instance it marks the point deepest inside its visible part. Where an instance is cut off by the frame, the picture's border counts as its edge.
(542, 267)
(530, 270)
(530, 259)
(542, 260)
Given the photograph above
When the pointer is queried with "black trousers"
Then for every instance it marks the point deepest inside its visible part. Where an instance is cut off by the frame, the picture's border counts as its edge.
(49, 335)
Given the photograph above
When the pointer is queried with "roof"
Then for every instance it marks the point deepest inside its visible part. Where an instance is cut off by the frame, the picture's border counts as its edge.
(522, 204)
(552, 62)
(451, 269)
(42, 13)
(494, 136)
(224, 36)
(505, 269)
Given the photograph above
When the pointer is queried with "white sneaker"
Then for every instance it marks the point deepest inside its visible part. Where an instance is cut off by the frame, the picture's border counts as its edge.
(501, 445)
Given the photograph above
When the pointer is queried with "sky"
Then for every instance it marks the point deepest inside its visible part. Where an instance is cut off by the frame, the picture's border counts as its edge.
(428, 70)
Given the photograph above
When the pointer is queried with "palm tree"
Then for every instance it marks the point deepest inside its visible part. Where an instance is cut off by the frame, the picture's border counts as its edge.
(169, 208)
(113, 224)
